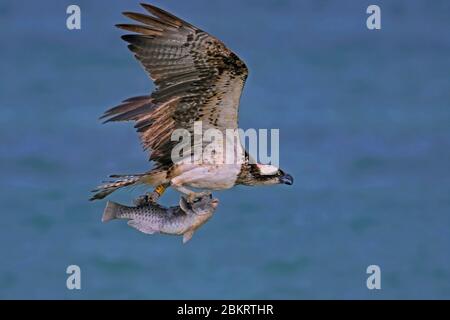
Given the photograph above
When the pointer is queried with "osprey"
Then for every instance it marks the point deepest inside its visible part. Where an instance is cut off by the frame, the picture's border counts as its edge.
(197, 78)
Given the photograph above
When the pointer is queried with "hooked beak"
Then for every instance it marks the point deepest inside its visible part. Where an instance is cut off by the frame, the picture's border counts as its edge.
(287, 179)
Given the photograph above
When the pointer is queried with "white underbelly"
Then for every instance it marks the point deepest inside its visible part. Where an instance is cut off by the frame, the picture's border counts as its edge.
(207, 177)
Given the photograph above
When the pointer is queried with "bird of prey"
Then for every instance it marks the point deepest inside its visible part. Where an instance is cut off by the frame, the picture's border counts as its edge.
(197, 78)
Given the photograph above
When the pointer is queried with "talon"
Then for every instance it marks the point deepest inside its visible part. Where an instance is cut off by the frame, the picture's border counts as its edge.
(195, 197)
(206, 194)
(151, 197)
(141, 201)
(159, 190)
(154, 196)
(191, 197)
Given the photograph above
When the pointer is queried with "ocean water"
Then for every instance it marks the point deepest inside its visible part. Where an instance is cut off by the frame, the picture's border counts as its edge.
(364, 119)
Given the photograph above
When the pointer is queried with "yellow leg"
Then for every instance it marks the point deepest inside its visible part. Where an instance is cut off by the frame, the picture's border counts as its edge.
(160, 190)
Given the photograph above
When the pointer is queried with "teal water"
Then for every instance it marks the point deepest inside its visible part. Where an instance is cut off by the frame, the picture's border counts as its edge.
(364, 127)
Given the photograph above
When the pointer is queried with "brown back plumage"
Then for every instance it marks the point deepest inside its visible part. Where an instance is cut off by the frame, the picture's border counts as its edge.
(196, 78)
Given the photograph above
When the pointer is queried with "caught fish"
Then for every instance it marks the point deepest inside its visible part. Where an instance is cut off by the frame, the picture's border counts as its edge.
(184, 219)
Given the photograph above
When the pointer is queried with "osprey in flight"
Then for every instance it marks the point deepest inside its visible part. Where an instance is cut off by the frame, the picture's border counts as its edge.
(197, 78)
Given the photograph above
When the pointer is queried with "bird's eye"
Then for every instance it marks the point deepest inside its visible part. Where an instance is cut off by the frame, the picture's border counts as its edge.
(197, 200)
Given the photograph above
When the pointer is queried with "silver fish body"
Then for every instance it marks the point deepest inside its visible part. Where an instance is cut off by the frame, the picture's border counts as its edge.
(184, 219)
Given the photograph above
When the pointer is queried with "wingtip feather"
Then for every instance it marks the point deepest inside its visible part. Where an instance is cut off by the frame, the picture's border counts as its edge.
(165, 16)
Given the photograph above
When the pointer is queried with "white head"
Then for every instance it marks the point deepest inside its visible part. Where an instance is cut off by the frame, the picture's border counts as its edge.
(263, 174)
(267, 169)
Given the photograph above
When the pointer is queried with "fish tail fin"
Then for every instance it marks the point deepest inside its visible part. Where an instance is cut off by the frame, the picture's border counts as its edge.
(111, 211)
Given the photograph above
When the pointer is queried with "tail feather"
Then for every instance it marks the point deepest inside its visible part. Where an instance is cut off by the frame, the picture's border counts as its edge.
(110, 212)
(153, 178)
(109, 187)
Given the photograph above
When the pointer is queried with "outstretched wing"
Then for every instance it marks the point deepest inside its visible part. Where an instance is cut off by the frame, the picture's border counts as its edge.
(196, 76)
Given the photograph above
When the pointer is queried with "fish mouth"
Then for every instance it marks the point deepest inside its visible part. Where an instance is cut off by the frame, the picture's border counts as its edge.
(214, 203)
(286, 179)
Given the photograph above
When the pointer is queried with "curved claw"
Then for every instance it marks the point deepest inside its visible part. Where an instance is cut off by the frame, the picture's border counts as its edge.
(141, 201)
(146, 199)
(197, 196)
